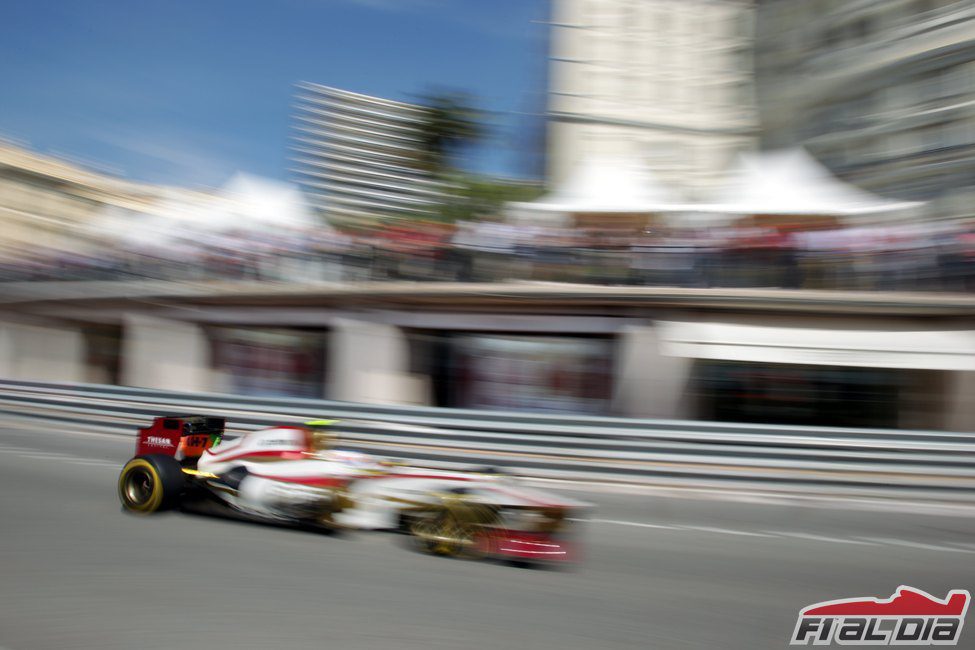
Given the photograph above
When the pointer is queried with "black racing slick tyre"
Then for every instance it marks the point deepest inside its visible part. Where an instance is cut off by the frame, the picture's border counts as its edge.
(150, 484)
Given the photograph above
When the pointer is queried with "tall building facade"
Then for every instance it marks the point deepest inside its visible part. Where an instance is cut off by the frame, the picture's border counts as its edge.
(668, 83)
(50, 204)
(881, 91)
(356, 156)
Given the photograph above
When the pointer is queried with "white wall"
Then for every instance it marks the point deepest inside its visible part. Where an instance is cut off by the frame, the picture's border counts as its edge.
(647, 383)
(41, 353)
(165, 354)
(369, 362)
(961, 402)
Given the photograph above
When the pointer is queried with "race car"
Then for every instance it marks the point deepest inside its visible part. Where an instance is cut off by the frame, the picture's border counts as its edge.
(296, 475)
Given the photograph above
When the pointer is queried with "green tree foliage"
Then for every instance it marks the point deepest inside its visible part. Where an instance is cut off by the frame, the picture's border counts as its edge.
(451, 124)
(479, 198)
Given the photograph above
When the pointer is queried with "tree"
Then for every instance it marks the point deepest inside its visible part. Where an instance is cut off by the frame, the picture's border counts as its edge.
(451, 123)
(476, 198)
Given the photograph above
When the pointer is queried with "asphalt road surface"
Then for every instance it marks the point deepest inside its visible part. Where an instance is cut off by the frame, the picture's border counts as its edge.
(76, 572)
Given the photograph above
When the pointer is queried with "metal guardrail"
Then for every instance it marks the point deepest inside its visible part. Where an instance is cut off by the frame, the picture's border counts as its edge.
(815, 460)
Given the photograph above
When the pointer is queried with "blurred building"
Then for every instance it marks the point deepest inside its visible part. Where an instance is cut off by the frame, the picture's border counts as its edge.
(880, 90)
(50, 210)
(666, 83)
(895, 360)
(357, 156)
(47, 203)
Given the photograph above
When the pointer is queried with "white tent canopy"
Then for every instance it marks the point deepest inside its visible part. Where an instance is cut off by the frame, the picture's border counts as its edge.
(791, 182)
(245, 206)
(599, 185)
(262, 203)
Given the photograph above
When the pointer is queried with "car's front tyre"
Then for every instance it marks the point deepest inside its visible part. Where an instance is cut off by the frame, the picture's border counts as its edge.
(442, 534)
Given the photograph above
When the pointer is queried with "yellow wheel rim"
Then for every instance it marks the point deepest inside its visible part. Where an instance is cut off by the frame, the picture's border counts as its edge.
(139, 487)
(442, 534)
(454, 528)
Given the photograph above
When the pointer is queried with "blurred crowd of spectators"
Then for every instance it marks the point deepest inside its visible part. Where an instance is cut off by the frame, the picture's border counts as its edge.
(907, 258)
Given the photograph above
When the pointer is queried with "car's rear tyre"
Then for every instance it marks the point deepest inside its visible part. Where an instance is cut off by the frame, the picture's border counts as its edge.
(150, 484)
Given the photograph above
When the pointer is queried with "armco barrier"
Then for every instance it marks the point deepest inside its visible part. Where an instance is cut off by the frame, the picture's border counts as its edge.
(814, 460)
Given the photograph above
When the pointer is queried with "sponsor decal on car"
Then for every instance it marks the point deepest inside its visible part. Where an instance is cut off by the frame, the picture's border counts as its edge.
(158, 441)
(909, 617)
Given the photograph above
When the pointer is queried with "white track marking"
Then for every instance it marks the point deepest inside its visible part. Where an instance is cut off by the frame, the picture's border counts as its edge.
(45, 455)
(725, 531)
(91, 462)
(820, 538)
(952, 547)
(36, 454)
(750, 495)
(785, 534)
(704, 529)
(634, 524)
(117, 437)
(906, 544)
(831, 502)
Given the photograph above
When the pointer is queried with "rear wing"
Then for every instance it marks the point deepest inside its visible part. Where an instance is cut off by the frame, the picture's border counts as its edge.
(184, 437)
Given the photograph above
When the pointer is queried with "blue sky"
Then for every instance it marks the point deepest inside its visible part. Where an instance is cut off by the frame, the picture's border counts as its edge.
(187, 92)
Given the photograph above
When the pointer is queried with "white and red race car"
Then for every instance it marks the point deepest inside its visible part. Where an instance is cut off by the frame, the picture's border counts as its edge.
(293, 474)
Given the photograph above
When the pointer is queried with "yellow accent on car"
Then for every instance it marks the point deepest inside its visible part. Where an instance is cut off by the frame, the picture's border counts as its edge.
(197, 473)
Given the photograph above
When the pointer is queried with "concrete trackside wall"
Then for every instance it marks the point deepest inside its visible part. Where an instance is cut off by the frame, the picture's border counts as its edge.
(41, 353)
(164, 354)
(961, 402)
(369, 362)
(648, 384)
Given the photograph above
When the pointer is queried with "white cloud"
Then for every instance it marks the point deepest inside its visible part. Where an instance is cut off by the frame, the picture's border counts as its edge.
(171, 158)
